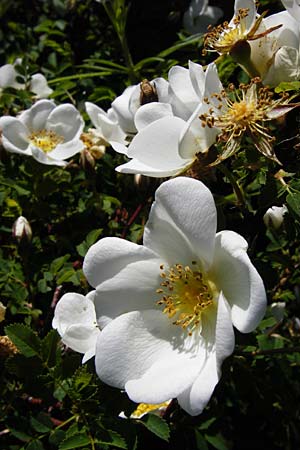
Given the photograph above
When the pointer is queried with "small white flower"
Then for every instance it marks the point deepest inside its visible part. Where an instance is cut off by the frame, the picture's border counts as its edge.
(75, 321)
(274, 216)
(199, 15)
(47, 132)
(167, 307)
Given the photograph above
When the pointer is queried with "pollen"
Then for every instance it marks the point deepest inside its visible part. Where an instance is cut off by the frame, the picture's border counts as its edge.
(185, 294)
(45, 140)
(145, 408)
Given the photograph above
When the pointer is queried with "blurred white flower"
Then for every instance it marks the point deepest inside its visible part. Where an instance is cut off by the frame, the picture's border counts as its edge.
(200, 15)
(274, 216)
(37, 83)
(174, 345)
(8, 77)
(39, 86)
(75, 321)
(21, 229)
(48, 133)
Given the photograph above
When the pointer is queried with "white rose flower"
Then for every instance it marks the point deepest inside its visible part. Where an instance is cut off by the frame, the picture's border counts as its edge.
(75, 321)
(167, 307)
(293, 7)
(48, 133)
(157, 150)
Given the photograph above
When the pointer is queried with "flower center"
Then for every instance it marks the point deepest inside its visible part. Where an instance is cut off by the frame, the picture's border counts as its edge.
(45, 140)
(186, 294)
(223, 37)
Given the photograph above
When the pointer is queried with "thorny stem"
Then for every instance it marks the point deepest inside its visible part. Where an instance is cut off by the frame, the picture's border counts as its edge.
(132, 219)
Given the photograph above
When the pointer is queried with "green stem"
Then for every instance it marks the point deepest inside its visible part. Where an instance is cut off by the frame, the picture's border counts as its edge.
(236, 188)
(271, 351)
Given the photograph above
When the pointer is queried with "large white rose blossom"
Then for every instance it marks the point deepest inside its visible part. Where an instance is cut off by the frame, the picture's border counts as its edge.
(167, 308)
(75, 321)
(293, 7)
(48, 133)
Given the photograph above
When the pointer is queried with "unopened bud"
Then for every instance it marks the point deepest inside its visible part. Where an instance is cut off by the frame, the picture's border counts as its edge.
(274, 216)
(21, 230)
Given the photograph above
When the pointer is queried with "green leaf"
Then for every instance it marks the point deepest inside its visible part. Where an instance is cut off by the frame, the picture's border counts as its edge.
(89, 240)
(288, 86)
(156, 425)
(49, 348)
(293, 201)
(58, 263)
(42, 423)
(35, 445)
(200, 441)
(112, 438)
(217, 442)
(25, 339)
(76, 441)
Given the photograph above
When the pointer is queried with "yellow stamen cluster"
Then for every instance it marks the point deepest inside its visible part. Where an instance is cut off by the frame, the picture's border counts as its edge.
(145, 408)
(243, 111)
(185, 295)
(223, 37)
(45, 140)
(94, 144)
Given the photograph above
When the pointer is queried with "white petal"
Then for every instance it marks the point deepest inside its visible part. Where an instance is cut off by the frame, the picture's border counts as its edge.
(66, 121)
(132, 288)
(194, 399)
(183, 96)
(135, 166)
(150, 362)
(157, 144)
(197, 76)
(182, 222)
(150, 112)
(35, 118)
(239, 281)
(162, 88)
(39, 86)
(43, 158)
(121, 107)
(251, 10)
(93, 112)
(194, 137)
(14, 135)
(109, 256)
(65, 151)
(293, 8)
(285, 67)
